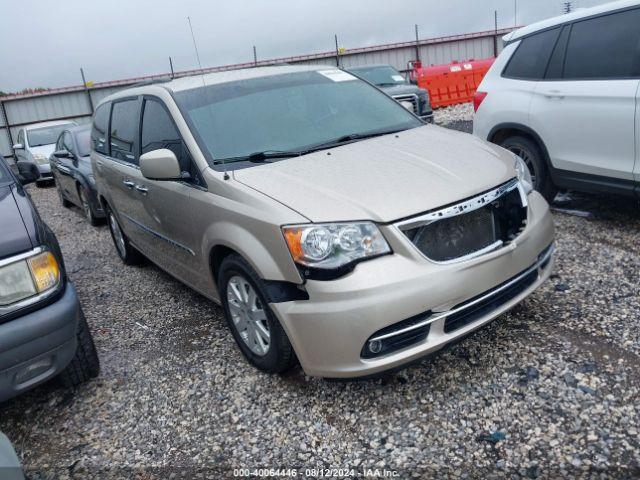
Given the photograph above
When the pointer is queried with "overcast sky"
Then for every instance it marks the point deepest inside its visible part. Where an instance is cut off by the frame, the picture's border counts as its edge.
(44, 43)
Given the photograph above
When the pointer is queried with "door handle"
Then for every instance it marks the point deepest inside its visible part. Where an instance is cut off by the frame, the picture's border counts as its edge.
(554, 94)
(129, 184)
(142, 189)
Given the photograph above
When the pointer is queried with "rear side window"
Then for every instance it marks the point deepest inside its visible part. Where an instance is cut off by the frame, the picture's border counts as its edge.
(159, 131)
(124, 127)
(604, 48)
(529, 61)
(99, 129)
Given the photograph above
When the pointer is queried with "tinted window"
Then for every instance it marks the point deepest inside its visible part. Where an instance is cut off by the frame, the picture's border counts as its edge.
(604, 47)
(99, 129)
(124, 127)
(556, 63)
(158, 131)
(530, 60)
(67, 142)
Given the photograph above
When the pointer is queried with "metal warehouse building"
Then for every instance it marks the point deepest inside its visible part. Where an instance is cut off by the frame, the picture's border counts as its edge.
(77, 103)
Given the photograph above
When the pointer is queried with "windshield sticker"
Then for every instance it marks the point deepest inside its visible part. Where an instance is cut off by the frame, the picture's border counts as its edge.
(337, 75)
(398, 78)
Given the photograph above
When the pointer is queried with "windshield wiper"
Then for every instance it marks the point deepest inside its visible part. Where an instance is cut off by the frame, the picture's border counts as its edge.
(260, 157)
(352, 137)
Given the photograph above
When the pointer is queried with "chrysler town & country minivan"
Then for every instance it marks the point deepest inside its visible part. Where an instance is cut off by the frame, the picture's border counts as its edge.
(332, 224)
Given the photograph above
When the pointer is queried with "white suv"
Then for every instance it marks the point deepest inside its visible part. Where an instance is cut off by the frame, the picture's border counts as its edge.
(565, 96)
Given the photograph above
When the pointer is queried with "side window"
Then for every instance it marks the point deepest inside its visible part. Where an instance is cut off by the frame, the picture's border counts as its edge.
(556, 63)
(124, 127)
(99, 129)
(159, 131)
(530, 59)
(21, 138)
(604, 47)
(60, 142)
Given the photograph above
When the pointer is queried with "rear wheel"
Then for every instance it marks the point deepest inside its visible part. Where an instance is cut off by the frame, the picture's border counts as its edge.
(126, 252)
(85, 364)
(255, 328)
(530, 152)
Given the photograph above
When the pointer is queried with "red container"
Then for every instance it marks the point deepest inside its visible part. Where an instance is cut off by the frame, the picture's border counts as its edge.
(454, 83)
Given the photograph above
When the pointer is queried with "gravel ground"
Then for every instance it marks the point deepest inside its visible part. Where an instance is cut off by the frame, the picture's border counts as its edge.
(549, 390)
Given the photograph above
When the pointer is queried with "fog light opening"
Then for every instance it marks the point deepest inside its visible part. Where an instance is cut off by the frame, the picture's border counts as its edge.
(375, 346)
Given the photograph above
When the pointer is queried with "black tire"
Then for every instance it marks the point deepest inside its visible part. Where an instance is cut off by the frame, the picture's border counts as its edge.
(86, 206)
(63, 201)
(85, 364)
(280, 356)
(126, 252)
(530, 152)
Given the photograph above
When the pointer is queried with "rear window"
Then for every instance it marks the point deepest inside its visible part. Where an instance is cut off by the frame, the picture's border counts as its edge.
(125, 117)
(99, 129)
(606, 47)
(530, 59)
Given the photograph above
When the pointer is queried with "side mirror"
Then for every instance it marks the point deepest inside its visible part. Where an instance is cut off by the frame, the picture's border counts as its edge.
(18, 146)
(27, 172)
(62, 154)
(160, 164)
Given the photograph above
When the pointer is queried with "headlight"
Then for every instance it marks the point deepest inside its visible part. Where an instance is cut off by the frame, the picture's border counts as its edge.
(40, 159)
(331, 246)
(524, 174)
(28, 277)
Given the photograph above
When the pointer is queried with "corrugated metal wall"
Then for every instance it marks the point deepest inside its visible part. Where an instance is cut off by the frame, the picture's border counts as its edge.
(73, 103)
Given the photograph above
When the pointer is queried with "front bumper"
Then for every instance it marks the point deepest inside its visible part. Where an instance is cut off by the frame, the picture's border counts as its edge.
(329, 331)
(38, 345)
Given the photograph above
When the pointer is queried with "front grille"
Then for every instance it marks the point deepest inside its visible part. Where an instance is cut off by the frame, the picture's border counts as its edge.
(413, 99)
(474, 312)
(481, 224)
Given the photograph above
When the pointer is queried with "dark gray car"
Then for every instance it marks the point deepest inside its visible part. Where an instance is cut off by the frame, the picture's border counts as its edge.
(391, 82)
(71, 169)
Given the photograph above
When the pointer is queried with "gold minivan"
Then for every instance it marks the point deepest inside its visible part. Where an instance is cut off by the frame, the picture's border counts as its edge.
(333, 225)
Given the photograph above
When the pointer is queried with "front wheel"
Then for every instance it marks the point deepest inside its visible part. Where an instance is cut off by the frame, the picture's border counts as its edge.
(85, 363)
(86, 206)
(533, 158)
(63, 201)
(255, 328)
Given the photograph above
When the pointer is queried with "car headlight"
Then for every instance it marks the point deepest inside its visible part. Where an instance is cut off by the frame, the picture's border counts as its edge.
(524, 174)
(40, 159)
(331, 246)
(28, 277)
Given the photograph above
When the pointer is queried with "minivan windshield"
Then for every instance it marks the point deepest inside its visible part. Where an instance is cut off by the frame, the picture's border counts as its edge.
(287, 113)
(382, 76)
(46, 135)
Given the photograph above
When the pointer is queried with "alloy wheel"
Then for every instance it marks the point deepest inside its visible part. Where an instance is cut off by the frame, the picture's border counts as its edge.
(248, 315)
(525, 155)
(85, 204)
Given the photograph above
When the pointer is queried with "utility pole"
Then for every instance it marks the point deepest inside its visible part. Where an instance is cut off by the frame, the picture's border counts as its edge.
(567, 7)
(255, 56)
(337, 52)
(495, 34)
(417, 45)
(171, 66)
(515, 13)
(86, 89)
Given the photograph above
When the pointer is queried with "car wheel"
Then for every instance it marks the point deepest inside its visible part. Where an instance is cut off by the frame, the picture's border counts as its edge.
(126, 252)
(85, 363)
(65, 203)
(532, 156)
(255, 328)
(86, 206)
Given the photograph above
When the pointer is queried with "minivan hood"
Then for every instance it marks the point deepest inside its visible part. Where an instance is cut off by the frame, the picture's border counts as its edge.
(385, 178)
(15, 237)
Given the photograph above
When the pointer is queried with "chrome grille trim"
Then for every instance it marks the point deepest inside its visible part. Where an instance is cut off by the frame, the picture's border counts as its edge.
(409, 97)
(438, 316)
(464, 207)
